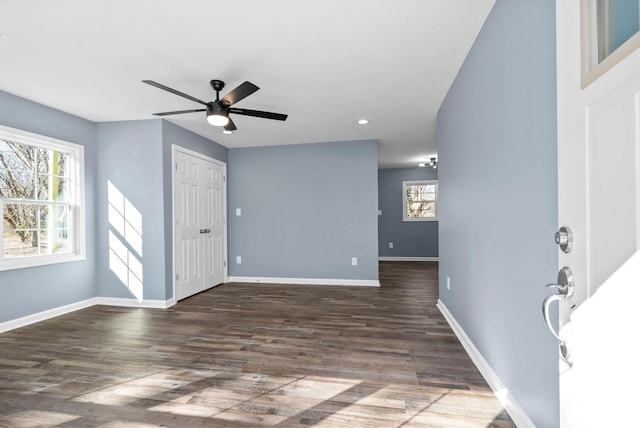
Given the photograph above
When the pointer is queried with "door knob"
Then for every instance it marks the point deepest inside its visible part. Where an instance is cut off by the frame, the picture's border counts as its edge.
(565, 288)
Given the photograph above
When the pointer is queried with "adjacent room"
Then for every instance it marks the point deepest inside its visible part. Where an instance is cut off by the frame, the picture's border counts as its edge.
(288, 213)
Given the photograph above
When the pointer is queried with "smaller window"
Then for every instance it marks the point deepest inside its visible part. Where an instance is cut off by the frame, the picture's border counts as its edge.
(420, 200)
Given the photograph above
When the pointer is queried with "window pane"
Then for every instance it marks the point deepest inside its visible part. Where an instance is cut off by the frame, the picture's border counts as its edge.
(34, 230)
(52, 188)
(55, 217)
(430, 197)
(54, 241)
(17, 183)
(22, 243)
(22, 216)
(618, 20)
(63, 164)
(42, 160)
(16, 170)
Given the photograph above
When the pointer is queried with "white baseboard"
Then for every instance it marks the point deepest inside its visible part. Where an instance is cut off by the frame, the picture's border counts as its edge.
(519, 416)
(134, 303)
(407, 259)
(62, 310)
(45, 315)
(306, 281)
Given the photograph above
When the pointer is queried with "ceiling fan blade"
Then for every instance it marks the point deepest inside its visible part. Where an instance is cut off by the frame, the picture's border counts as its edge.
(242, 91)
(167, 113)
(258, 113)
(230, 126)
(173, 91)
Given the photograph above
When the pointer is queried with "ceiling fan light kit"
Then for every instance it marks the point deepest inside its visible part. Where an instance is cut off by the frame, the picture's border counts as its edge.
(218, 110)
(433, 163)
(217, 115)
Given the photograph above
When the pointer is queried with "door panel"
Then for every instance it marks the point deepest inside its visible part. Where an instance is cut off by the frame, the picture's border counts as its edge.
(612, 195)
(186, 212)
(599, 199)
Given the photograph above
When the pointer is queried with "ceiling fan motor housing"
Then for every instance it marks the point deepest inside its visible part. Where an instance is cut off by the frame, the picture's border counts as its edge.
(217, 109)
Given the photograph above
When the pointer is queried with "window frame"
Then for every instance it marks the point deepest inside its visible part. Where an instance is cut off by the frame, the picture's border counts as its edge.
(77, 230)
(591, 66)
(405, 184)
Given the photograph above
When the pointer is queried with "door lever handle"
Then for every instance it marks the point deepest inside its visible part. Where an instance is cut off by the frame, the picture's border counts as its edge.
(205, 230)
(565, 288)
(546, 303)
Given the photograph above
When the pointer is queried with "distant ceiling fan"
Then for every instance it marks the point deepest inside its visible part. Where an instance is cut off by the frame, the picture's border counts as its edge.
(218, 110)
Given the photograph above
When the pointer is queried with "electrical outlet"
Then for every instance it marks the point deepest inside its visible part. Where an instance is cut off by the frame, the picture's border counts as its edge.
(390, 244)
(448, 283)
(238, 212)
(238, 260)
(379, 212)
(354, 261)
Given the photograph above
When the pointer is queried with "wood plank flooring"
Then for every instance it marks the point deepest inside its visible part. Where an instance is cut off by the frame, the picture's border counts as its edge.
(251, 355)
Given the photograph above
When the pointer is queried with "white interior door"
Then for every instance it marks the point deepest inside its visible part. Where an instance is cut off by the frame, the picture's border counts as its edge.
(214, 224)
(599, 199)
(200, 223)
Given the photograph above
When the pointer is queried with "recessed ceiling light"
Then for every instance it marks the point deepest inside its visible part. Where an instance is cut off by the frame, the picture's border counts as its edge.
(227, 132)
(422, 164)
(363, 121)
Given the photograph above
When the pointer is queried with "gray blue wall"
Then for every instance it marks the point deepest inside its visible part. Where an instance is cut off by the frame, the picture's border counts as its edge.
(130, 155)
(410, 238)
(498, 199)
(306, 211)
(31, 290)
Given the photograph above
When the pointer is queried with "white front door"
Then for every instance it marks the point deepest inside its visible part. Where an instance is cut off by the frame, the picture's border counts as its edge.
(199, 223)
(599, 200)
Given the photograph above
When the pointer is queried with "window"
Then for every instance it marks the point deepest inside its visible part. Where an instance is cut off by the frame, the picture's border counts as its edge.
(610, 32)
(41, 198)
(420, 200)
(618, 20)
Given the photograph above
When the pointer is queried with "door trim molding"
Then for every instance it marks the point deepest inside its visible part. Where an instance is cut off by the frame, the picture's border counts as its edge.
(509, 403)
(176, 148)
(407, 259)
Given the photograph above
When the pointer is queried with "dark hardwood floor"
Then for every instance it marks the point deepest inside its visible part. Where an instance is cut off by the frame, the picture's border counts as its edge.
(248, 355)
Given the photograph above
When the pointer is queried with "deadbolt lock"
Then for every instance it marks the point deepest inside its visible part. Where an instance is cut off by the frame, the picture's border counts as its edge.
(564, 239)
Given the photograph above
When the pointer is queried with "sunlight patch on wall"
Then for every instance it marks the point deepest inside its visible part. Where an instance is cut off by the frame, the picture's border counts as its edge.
(125, 241)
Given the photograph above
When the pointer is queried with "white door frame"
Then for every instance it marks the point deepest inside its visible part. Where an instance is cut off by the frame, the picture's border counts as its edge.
(175, 148)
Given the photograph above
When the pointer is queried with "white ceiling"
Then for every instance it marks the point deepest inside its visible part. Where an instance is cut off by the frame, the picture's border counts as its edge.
(325, 63)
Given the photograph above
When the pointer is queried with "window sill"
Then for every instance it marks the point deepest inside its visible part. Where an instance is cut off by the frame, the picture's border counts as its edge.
(410, 220)
(39, 261)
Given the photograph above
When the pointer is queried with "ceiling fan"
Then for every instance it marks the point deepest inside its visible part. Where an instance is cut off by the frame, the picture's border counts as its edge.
(218, 110)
